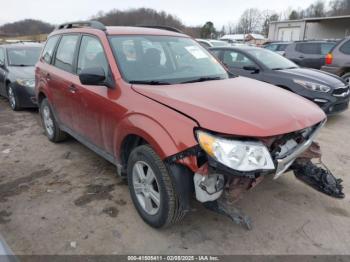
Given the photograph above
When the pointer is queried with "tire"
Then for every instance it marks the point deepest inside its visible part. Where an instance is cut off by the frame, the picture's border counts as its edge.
(158, 214)
(12, 98)
(51, 127)
(346, 77)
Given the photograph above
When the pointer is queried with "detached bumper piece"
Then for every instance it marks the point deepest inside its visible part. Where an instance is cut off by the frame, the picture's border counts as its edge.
(319, 178)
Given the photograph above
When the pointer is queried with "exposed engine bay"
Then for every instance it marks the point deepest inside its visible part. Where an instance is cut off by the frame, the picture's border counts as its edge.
(220, 187)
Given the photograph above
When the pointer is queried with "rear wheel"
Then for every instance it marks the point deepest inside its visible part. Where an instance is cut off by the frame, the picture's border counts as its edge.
(12, 97)
(51, 127)
(151, 187)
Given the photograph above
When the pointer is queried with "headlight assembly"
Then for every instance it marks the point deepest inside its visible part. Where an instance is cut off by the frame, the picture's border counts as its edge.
(26, 82)
(236, 154)
(313, 86)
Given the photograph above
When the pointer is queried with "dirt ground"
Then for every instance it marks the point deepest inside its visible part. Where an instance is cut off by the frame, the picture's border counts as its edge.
(64, 199)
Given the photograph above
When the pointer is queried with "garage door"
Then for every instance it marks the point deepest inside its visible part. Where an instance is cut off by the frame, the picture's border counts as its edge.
(289, 34)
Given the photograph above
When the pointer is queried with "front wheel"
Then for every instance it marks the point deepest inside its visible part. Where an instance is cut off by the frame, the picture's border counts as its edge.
(12, 97)
(152, 189)
(346, 77)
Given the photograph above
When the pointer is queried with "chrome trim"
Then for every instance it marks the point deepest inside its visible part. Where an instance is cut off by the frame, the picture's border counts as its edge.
(342, 94)
(284, 163)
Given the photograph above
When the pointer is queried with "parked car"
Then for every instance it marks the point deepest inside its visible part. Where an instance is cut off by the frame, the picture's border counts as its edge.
(164, 111)
(338, 60)
(17, 63)
(330, 92)
(278, 47)
(211, 42)
(310, 54)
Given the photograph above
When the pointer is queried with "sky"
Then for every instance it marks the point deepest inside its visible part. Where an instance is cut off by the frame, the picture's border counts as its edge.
(190, 12)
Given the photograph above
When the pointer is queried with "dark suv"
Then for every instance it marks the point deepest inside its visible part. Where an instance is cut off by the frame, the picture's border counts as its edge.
(338, 60)
(160, 107)
(310, 54)
(17, 62)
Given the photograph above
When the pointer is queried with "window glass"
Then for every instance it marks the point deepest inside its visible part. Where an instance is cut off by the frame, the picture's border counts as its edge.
(215, 53)
(326, 48)
(65, 52)
(91, 54)
(282, 47)
(345, 48)
(237, 60)
(272, 47)
(2, 56)
(164, 59)
(49, 49)
(27, 56)
(309, 48)
(271, 59)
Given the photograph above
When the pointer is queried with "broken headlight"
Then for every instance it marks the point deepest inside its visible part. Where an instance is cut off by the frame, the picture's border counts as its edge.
(312, 86)
(236, 154)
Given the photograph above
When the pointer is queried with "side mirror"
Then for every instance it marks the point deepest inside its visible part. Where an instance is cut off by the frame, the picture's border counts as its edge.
(253, 69)
(94, 76)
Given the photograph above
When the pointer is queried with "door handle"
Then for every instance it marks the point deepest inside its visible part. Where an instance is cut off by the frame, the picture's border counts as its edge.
(48, 77)
(72, 89)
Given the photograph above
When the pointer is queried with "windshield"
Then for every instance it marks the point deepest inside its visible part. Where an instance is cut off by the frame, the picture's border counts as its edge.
(23, 56)
(164, 60)
(271, 59)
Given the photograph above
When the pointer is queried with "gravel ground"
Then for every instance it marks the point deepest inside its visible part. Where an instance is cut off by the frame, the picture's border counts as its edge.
(64, 199)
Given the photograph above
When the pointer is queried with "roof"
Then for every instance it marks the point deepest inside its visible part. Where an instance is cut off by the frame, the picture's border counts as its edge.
(313, 19)
(123, 30)
(243, 36)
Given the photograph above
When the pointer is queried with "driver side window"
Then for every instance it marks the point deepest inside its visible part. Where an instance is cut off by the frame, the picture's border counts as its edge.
(236, 60)
(91, 54)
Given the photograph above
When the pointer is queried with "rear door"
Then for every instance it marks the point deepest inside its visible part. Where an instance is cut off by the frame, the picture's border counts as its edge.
(312, 54)
(61, 78)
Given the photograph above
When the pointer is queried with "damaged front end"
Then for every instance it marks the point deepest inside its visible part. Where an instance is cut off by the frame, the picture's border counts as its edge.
(228, 167)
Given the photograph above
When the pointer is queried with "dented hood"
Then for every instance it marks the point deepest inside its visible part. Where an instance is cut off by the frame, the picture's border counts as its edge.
(238, 106)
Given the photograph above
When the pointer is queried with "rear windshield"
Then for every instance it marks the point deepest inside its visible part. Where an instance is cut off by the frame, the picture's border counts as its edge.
(164, 59)
(23, 56)
(271, 59)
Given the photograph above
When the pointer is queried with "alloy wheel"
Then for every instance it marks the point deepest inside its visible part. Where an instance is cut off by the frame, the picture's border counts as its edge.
(12, 98)
(146, 187)
(48, 121)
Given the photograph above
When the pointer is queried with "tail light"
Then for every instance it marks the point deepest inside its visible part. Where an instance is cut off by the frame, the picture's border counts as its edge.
(329, 59)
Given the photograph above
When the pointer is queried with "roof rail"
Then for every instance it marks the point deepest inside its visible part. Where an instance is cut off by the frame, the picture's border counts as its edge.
(93, 24)
(168, 28)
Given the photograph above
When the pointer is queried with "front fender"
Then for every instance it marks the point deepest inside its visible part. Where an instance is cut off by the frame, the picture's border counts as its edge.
(166, 136)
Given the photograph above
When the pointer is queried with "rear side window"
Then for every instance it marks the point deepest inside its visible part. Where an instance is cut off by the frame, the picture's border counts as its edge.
(272, 47)
(91, 54)
(65, 52)
(282, 47)
(236, 60)
(345, 48)
(309, 48)
(49, 49)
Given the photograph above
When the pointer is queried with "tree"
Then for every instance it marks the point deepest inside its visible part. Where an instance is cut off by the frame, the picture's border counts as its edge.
(250, 21)
(26, 27)
(339, 7)
(294, 15)
(316, 10)
(208, 30)
(268, 17)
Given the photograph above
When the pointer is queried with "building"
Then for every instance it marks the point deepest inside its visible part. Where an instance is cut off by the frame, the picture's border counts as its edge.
(241, 38)
(335, 27)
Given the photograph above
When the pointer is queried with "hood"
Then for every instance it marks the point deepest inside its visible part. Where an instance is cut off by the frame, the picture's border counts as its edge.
(313, 75)
(25, 72)
(238, 106)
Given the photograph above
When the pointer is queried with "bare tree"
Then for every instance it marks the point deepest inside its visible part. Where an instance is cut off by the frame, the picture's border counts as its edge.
(250, 21)
(267, 16)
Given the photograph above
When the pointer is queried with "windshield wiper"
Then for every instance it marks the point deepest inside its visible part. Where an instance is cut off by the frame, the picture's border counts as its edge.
(202, 79)
(284, 68)
(148, 82)
(22, 65)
